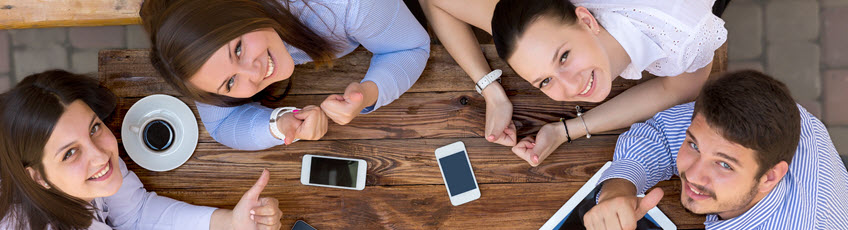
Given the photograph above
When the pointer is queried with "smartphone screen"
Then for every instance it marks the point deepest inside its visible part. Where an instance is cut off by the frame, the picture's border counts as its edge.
(458, 175)
(333, 172)
(300, 225)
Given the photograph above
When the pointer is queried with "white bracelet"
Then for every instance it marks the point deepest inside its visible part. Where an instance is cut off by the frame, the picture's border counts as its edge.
(580, 115)
(276, 114)
(488, 79)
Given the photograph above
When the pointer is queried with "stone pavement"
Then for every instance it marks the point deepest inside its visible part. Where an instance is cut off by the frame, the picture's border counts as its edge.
(804, 43)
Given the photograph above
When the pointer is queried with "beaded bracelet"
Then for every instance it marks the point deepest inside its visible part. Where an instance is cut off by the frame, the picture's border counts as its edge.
(566, 129)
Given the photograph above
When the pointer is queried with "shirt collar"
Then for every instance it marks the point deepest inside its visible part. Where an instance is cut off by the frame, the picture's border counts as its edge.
(758, 214)
(642, 49)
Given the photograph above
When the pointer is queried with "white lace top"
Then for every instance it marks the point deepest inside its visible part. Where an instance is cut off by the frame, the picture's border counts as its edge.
(664, 37)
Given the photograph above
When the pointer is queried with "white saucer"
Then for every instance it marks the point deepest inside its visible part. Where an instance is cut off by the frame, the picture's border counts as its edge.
(166, 108)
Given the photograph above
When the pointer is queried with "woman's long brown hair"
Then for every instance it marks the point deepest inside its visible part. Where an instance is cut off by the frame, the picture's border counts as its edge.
(185, 33)
(28, 114)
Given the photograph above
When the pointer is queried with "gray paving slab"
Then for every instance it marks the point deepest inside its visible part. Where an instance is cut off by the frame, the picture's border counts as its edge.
(839, 136)
(792, 21)
(39, 37)
(5, 83)
(35, 60)
(98, 37)
(84, 61)
(744, 23)
(835, 36)
(836, 97)
(5, 56)
(137, 37)
(797, 65)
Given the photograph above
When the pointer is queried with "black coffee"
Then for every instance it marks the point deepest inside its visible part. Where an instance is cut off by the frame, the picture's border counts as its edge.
(158, 135)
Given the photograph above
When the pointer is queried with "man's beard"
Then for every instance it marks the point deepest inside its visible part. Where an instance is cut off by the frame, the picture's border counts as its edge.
(736, 204)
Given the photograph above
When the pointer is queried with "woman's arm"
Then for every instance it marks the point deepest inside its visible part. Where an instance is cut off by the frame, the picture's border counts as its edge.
(401, 48)
(636, 104)
(450, 21)
(243, 127)
(133, 207)
(247, 127)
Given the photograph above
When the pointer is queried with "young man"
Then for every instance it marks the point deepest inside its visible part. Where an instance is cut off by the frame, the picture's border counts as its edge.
(746, 154)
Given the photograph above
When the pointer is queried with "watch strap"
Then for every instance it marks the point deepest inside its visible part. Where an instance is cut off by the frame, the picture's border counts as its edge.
(488, 79)
(275, 115)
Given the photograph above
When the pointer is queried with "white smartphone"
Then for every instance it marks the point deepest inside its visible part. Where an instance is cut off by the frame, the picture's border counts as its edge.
(456, 171)
(333, 172)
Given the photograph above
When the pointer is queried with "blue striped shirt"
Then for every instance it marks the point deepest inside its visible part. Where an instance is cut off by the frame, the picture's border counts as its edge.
(812, 195)
(387, 28)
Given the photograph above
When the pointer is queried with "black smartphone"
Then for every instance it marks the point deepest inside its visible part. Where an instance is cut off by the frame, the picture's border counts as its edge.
(301, 225)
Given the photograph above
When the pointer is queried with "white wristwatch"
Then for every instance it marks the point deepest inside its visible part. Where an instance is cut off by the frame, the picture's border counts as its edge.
(276, 114)
(488, 79)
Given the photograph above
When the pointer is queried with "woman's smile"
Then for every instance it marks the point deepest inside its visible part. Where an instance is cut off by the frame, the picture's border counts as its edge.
(103, 174)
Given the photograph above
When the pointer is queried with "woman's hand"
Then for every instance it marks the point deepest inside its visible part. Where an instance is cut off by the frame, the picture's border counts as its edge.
(309, 123)
(313, 124)
(342, 109)
(288, 124)
(534, 151)
(253, 212)
(499, 126)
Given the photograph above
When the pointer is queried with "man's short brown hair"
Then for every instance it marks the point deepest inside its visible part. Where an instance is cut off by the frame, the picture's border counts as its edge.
(753, 110)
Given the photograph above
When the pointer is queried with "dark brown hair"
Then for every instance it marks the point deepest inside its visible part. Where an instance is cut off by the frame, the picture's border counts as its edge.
(511, 18)
(753, 110)
(185, 33)
(28, 114)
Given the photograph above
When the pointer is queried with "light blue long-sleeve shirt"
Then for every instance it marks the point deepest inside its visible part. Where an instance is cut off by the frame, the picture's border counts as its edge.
(133, 207)
(812, 194)
(387, 28)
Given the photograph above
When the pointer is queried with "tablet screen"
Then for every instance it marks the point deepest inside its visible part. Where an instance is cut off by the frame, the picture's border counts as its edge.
(458, 175)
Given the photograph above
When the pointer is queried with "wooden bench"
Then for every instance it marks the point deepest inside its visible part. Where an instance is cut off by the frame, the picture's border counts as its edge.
(404, 187)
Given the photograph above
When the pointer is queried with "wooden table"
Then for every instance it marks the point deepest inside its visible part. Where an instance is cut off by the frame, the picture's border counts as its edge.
(404, 189)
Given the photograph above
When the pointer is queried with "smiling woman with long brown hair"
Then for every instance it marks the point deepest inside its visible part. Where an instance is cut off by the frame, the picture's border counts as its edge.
(229, 54)
(60, 169)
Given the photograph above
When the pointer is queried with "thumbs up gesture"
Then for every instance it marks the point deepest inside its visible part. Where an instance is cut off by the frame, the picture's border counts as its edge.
(254, 212)
(620, 211)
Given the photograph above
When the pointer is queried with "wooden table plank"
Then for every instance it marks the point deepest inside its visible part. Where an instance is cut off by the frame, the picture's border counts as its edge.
(515, 195)
(415, 115)
(501, 206)
(20, 14)
(390, 162)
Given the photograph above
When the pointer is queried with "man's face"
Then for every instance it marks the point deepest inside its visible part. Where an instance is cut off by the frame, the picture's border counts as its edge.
(718, 176)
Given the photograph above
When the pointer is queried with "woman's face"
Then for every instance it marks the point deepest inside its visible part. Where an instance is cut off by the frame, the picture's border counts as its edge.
(567, 62)
(81, 155)
(245, 65)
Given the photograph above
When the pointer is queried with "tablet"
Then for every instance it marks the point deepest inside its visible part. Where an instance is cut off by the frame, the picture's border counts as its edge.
(570, 215)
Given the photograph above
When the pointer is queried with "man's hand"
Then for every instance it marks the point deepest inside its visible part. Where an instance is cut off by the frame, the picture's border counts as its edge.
(620, 211)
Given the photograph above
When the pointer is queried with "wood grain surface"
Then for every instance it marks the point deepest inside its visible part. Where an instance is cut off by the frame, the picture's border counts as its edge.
(19, 14)
(404, 188)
